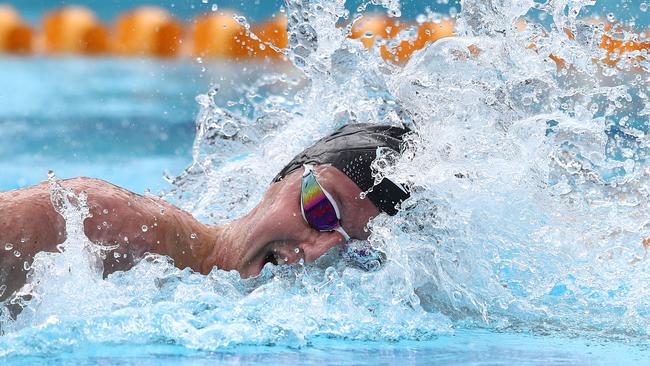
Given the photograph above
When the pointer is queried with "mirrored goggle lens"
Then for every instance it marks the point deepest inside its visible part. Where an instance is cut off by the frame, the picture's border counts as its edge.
(317, 209)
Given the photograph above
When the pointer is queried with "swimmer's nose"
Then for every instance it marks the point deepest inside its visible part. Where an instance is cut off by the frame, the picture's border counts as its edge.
(325, 241)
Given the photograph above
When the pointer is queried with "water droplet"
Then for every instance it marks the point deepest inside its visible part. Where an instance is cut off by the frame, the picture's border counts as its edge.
(374, 265)
(3, 288)
(16, 253)
(193, 235)
(215, 7)
(22, 240)
(297, 250)
(105, 211)
(162, 211)
(126, 239)
(105, 224)
(611, 17)
(331, 274)
(26, 266)
(144, 228)
(204, 1)
(643, 7)
(214, 89)
(9, 246)
(229, 129)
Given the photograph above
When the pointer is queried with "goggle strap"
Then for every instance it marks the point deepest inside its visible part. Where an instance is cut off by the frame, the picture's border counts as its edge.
(308, 169)
(339, 229)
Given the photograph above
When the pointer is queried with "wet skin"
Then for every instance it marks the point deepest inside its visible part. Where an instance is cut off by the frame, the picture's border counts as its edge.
(274, 231)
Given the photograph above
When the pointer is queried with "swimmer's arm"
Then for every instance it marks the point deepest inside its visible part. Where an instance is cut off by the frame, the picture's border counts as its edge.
(29, 223)
(140, 224)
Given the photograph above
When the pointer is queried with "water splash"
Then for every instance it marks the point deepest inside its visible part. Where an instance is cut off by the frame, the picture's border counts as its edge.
(536, 220)
(529, 206)
(53, 278)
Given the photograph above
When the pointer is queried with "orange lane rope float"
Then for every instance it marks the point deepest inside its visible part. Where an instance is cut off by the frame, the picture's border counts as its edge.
(398, 40)
(263, 40)
(148, 31)
(373, 27)
(634, 48)
(74, 29)
(153, 31)
(213, 35)
(15, 36)
(221, 36)
(618, 42)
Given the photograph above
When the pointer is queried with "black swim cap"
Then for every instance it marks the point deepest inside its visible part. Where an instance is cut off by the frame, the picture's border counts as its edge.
(352, 149)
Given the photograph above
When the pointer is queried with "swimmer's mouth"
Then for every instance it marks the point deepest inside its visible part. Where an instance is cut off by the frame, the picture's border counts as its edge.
(273, 258)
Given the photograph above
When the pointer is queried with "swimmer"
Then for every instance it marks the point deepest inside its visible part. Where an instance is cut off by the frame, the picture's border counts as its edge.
(314, 204)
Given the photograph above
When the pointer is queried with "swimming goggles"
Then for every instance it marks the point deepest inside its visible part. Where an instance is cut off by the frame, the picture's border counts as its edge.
(318, 207)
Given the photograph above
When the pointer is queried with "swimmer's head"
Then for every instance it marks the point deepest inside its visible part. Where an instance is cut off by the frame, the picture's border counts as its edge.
(352, 150)
(276, 232)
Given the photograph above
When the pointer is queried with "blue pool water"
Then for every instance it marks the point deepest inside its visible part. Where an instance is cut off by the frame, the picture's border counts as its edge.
(120, 120)
(470, 347)
(521, 244)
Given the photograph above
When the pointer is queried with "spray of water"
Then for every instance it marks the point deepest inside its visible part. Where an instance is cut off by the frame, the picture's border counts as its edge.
(529, 208)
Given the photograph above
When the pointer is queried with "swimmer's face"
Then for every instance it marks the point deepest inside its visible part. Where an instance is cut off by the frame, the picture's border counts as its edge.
(276, 232)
